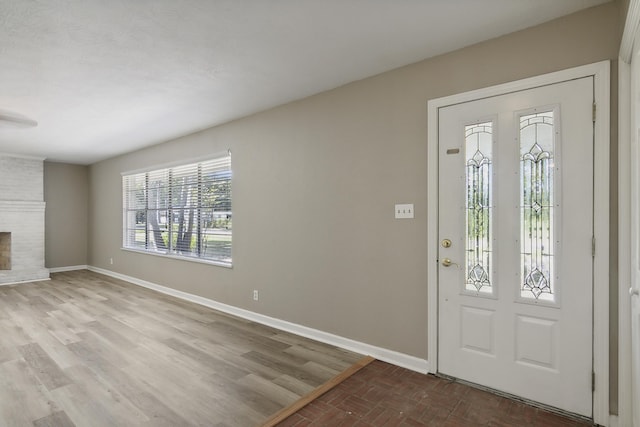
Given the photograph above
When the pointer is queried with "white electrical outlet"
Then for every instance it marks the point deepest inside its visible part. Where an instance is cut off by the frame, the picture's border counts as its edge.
(111, 261)
(404, 211)
(255, 295)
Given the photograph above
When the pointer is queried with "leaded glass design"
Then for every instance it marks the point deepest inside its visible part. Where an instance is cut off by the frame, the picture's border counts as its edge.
(537, 206)
(478, 156)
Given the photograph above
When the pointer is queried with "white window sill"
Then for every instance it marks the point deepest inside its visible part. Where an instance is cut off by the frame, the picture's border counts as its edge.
(180, 258)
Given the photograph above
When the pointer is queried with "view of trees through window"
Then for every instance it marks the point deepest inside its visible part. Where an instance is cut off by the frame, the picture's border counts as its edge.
(183, 210)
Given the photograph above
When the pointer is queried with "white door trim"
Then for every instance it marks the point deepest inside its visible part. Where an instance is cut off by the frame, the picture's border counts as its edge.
(630, 39)
(631, 24)
(600, 71)
(625, 408)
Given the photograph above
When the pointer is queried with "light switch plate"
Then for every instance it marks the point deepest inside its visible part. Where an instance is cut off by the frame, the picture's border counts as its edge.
(404, 211)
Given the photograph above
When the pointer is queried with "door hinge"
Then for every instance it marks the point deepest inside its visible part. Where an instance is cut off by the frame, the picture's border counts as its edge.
(593, 114)
(593, 246)
(593, 381)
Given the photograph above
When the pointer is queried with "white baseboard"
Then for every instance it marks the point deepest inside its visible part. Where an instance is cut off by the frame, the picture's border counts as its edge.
(24, 281)
(400, 359)
(69, 268)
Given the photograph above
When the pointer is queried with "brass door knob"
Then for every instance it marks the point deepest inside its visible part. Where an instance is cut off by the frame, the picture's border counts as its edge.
(446, 262)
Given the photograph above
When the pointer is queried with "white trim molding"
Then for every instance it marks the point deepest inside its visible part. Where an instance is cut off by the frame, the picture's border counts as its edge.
(601, 73)
(399, 359)
(630, 27)
(624, 243)
(68, 268)
(627, 88)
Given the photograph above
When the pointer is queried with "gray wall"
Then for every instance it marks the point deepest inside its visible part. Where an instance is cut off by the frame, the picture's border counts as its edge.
(66, 192)
(315, 182)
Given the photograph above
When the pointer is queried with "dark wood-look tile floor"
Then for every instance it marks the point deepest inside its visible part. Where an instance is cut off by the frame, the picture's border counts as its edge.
(88, 350)
(381, 394)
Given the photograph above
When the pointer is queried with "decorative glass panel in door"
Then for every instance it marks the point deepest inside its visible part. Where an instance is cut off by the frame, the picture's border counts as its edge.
(537, 211)
(478, 157)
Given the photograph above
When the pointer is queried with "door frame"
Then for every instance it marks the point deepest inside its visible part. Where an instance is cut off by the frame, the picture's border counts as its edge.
(601, 73)
(628, 91)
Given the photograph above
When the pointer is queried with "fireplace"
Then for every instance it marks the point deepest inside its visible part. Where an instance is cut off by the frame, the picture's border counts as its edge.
(5, 251)
(22, 210)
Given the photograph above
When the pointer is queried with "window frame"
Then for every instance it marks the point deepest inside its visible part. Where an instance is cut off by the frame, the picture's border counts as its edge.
(193, 182)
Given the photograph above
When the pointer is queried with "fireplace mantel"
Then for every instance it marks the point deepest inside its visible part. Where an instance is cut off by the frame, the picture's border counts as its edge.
(20, 206)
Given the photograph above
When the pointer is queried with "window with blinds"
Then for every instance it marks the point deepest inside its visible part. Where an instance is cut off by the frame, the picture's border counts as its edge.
(181, 211)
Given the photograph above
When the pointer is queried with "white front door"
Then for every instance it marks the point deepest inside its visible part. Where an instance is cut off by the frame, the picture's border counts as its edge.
(515, 287)
(634, 289)
(635, 280)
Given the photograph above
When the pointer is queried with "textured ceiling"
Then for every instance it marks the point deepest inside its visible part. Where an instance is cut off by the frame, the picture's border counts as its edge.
(106, 77)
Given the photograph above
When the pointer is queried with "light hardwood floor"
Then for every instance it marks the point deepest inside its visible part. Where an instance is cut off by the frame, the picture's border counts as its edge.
(88, 350)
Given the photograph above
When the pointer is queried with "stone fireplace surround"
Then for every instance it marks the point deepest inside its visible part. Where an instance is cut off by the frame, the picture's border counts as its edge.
(22, 209)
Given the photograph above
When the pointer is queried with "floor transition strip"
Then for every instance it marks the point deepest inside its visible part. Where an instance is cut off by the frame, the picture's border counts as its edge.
(285, 413)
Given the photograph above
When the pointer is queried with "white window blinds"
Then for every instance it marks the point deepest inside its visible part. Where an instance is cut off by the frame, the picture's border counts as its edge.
(181, 211)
